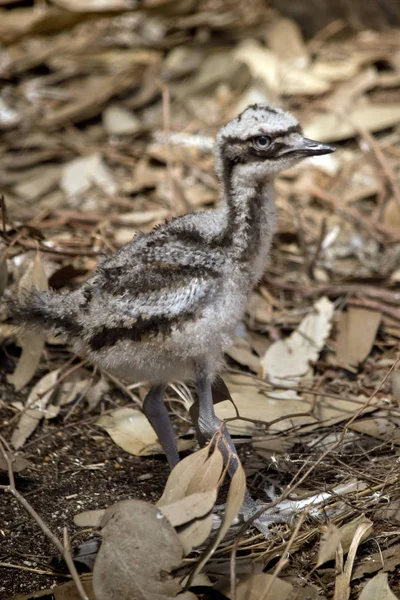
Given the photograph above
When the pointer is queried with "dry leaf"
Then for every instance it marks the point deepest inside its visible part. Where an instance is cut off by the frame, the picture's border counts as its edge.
(383, 560)
(67, 591)
(89, 518)
(252, 587)
(328, 127)
(140, 549)
(192, 507)
(286, 41)
(262, 63)
(131, 431)
(117, 120)
(18, 464)
(208, 475)
(254, 399)
(234, 501)
(32, 342)
(181, 476)
(378, 589)
(80, 174)
(287, 361)
(357, 332)
(205, 479)
(35, 409)
(382, 425)
(72, 388)
(329, 543)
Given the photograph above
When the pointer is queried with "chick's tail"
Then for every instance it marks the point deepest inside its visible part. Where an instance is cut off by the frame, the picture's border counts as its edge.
(46, 311)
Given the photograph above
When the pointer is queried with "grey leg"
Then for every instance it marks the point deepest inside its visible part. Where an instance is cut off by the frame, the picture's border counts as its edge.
(157, 414)
(208, 424)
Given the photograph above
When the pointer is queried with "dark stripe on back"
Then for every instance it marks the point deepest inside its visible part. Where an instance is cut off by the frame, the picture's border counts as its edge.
(151, 277)
(142, 331)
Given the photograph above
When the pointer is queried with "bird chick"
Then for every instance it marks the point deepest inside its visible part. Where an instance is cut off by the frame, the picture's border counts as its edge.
(165, 306)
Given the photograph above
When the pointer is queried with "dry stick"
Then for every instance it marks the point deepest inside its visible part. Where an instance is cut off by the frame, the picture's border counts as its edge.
(394, 313)
(336, 289)
(377, 231)
(3, 209)
(293, 484)
(63, 550)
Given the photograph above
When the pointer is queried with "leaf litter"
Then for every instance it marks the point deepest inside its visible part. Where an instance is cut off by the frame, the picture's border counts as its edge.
(95, 168)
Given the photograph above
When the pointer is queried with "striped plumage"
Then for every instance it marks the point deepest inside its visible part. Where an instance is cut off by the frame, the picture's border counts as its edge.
(166, 305)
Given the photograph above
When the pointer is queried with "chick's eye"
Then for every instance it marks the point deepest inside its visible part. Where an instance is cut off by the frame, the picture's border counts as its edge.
(261, 142)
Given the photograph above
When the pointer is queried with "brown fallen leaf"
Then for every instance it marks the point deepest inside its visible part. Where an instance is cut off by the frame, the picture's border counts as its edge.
(140, 549)
(383, 560)
(18, 464)
(234, 501)
(252, 587)
(89, 518)
(287, 361)
(131, 431)
(205, 479)
(80, 174)
(181, 476)
(328, 127)
(190, 508)
(329, 543)
(378, 589)
(67, 591)
(381, 425)
(357, 332)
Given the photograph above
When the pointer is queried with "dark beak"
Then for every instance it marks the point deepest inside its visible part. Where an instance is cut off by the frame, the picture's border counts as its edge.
(305, 147)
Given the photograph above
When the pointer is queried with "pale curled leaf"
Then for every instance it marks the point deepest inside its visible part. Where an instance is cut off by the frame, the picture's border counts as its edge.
(357, 332)
(329, 127)
(89, 518)
(131, 431)
(287, 361)
(140, 549)
(35, 410)
(81, 173)
(329, 543)
(237, 490)
(208, 475)
(378, 589)
(192, 507)
(181, 476)
(195, 533)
